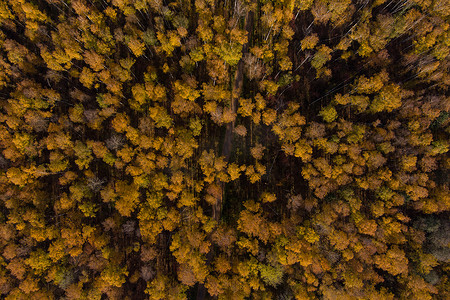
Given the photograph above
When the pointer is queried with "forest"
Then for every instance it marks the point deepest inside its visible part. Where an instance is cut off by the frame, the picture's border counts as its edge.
(224, 149)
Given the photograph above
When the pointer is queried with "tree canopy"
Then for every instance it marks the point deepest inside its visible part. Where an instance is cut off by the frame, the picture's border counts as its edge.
(245, 149)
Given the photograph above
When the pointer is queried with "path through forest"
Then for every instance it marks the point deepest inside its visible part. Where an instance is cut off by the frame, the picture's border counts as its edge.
(236, 92)
(228, 140)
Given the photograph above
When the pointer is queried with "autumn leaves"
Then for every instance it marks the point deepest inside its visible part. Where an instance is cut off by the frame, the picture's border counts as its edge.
(252, 149)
